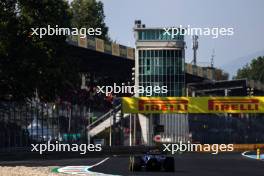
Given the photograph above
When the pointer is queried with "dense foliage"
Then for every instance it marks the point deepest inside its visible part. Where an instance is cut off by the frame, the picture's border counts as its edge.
(28, 62)
(253, 71)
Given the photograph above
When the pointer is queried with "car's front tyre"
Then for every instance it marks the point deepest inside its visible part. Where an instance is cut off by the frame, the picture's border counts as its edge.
(135, 163)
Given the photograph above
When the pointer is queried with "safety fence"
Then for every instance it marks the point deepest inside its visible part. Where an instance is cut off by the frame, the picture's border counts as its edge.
(35, 122)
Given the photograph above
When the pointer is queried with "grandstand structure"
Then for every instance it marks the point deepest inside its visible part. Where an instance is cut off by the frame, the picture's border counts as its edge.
(98, 48)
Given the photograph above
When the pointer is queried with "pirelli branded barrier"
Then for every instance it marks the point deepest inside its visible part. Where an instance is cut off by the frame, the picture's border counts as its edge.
(102, 46)
(193, 105)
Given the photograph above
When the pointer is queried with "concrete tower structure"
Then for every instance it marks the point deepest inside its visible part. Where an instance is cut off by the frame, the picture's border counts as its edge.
(160, 61)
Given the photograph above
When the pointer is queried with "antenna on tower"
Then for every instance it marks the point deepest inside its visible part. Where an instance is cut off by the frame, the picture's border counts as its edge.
(195, 47)
(212, 58)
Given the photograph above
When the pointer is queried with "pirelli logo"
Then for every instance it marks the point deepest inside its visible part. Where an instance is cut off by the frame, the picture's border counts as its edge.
(163, 105)
(193, 105)
(233, 105)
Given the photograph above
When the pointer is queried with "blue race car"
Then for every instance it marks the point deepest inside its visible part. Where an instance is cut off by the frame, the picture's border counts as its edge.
(151, 162)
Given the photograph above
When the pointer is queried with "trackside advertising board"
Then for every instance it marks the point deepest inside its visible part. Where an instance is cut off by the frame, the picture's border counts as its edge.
(193, 105)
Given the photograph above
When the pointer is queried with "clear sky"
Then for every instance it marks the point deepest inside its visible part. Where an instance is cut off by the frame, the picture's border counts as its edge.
(245, 16)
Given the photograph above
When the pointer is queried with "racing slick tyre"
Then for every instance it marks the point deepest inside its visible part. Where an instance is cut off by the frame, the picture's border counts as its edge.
(168, 164)
(135, 163)
(153, 165)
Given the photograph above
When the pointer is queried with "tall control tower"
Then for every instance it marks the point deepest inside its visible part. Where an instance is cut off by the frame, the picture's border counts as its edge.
(160, 61)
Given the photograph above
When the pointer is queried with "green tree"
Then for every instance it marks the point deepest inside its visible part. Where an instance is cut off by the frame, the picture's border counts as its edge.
(253, 71)
(89, 14)
(28, 62)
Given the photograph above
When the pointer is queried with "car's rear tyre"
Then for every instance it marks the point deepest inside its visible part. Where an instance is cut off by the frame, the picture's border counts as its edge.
(135, 163)
(153, 165)
(168, 164)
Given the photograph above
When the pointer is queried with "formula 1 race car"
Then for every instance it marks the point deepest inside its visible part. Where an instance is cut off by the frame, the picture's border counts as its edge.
(151, 162)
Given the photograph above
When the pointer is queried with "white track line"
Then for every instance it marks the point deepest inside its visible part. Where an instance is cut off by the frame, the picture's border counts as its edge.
(244, 154)
(101, 162)
(83, 170)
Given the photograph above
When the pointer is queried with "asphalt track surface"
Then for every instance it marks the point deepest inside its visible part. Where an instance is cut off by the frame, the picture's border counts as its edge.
(185, 165)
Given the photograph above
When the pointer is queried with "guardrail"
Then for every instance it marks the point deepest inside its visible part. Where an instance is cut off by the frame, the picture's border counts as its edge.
(104, 117)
